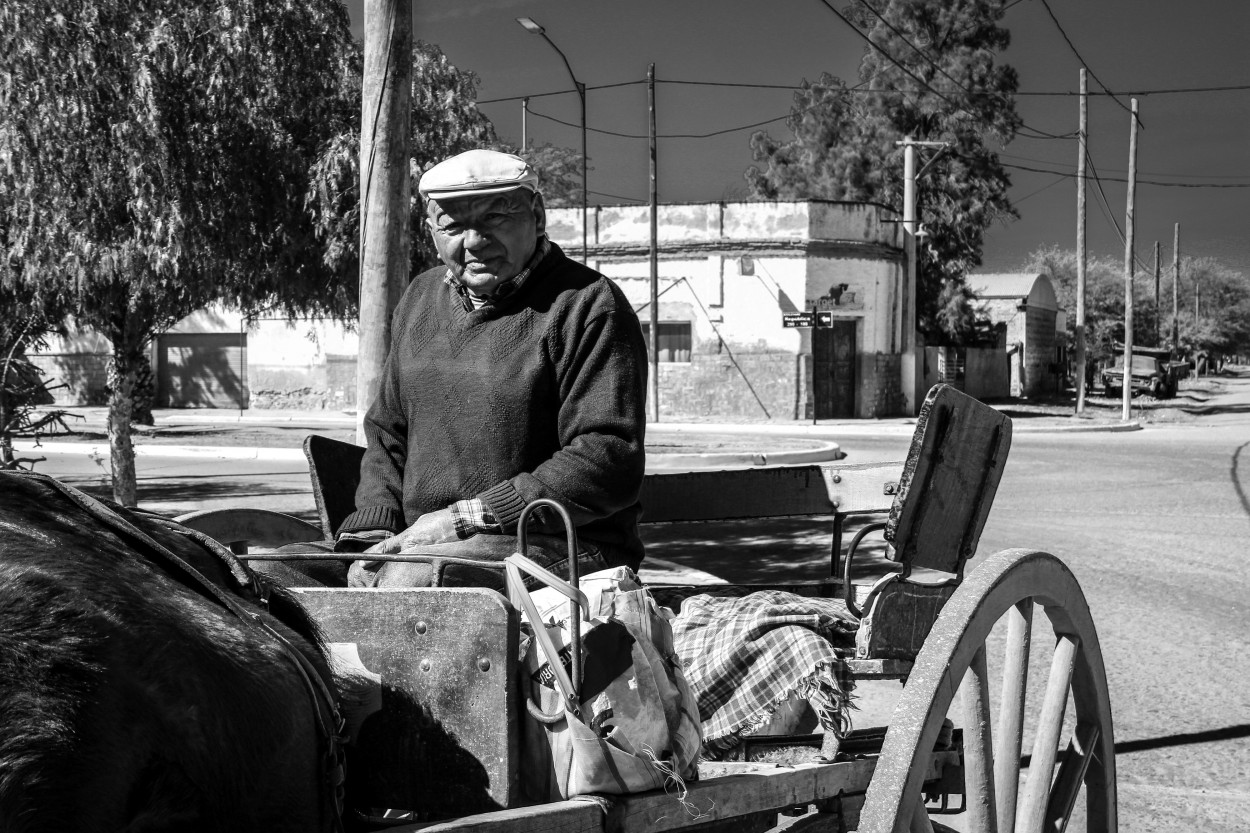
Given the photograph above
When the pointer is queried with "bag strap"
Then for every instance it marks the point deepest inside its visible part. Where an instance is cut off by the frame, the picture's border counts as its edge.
(518, 593)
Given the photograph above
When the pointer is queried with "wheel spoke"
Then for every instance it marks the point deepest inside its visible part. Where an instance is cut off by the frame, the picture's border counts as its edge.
(1046, 742)
(978, 746)
(920, 818)
(1011, 719)
(1081, 750)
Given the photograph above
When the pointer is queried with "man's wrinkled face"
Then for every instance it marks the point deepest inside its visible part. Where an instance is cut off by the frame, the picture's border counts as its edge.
(486, 240)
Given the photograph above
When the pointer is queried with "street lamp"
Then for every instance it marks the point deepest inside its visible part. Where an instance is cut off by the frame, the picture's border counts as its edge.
(533, 28)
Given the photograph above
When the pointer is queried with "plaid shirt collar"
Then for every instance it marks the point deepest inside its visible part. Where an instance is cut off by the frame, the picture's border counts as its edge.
(508, 287)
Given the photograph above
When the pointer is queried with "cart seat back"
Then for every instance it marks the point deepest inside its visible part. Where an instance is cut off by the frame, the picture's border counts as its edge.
(334, 467)
(949, 481)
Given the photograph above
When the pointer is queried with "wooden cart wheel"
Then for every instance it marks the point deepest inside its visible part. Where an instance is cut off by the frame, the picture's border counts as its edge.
(1009, 584)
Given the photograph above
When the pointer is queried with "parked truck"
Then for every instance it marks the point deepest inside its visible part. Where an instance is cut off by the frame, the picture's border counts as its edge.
(1152, 371)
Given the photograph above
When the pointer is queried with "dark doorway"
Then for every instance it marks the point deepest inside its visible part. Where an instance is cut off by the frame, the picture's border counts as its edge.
(201, 370)
(833, 369)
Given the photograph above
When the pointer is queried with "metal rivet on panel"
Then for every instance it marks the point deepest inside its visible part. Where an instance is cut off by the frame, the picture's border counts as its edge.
(420, 628)
(837, 478)
(483, 664)
(425, 665)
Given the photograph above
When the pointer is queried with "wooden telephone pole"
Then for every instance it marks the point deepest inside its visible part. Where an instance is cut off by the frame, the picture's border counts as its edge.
(653, 385)
(1176, 287)
(1158, 335)
(1129, 265)
(1081, 358)
(385, 188)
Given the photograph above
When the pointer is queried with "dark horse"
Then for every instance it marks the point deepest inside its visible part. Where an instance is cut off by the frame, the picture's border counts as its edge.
(148, 681)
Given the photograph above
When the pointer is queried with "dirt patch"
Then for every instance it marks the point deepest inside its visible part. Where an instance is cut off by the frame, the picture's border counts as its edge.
(1185, 407)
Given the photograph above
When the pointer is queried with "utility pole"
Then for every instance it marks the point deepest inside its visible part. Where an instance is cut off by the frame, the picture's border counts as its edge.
(1081, 358)
(907, 309)
(1176, 288)
(1158, 338)
(1129, 265)
(525, 116)
(653, 386)
(385, 187)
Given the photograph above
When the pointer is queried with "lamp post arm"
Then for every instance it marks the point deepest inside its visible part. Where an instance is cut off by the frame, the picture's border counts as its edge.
(581, 88)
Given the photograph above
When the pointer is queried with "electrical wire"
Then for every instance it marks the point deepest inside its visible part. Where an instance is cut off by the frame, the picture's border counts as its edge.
(562, 92)
(929, 60)
(1139, 181)
(1056, 181)
(1085, 63)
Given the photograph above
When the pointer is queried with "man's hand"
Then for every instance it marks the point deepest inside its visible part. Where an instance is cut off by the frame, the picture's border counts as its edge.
(431, 528)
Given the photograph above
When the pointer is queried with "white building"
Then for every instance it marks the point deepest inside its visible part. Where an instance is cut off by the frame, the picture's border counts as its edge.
(728, 275)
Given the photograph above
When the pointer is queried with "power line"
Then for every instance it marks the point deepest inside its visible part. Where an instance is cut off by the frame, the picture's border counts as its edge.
(616, 196)
(1056, 181)
(1084, 63)
(889, 57)
(930, 61)
(707, 135)
(1139, 181)
(1121, 170)
(746, 85)
(1109, 214)
(869, 90)
(561, 92)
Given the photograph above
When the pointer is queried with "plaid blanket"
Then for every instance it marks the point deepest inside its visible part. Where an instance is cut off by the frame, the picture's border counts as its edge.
(743, 657)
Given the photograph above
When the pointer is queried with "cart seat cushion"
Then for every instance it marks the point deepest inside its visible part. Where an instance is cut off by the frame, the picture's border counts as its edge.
(744, 657)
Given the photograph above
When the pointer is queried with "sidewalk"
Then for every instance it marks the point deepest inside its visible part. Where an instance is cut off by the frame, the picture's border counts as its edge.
(256, 434)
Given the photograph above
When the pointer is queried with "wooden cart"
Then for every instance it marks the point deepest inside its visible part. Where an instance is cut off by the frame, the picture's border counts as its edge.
(445, 742)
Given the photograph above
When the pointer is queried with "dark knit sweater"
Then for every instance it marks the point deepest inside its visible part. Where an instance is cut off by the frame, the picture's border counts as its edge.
(539, 395)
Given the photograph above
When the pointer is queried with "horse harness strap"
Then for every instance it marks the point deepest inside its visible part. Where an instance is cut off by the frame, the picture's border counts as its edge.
(329, 720)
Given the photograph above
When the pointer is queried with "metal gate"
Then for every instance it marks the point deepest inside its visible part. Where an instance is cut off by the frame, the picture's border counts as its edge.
(833, 369)
(201, 370)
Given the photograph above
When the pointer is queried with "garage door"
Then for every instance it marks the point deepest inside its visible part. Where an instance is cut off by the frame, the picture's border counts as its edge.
(201, 370)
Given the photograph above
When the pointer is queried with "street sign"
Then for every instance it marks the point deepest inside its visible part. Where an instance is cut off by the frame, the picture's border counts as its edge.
(798, 319)
(824, 318)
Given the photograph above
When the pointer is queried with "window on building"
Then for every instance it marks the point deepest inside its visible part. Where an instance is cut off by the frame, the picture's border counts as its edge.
(674, 341)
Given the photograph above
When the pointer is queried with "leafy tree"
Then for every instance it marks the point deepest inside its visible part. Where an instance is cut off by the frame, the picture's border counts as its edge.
(559, 172)
(952, 90)
(155, 156)
(445, 121)
(1224, 317)
(23, 390)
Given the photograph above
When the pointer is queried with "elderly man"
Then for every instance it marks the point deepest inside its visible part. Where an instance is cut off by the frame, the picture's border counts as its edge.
(514, 374)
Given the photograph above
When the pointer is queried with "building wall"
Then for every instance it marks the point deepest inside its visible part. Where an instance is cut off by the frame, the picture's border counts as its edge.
(308, 364)
(79, 362)
(731, 270)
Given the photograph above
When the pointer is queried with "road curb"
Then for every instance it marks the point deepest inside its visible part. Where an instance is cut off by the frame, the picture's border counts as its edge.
(224, 452)
(827, 453)
(1109, 427)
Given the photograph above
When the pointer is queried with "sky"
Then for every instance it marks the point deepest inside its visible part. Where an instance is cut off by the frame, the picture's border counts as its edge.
(1131, 46)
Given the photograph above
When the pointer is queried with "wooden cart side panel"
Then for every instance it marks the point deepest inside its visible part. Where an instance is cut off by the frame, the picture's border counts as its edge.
(725, 792)
(769, 492)
(446, 740)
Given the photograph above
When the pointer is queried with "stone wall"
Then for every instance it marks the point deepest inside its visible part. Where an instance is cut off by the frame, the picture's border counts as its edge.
(327, 386)
(738, 382)
(881, 395)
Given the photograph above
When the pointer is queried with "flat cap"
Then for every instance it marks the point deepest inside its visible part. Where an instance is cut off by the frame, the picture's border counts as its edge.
(477, 172)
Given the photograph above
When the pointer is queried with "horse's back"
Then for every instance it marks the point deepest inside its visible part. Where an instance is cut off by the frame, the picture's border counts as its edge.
(128, 699)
